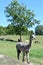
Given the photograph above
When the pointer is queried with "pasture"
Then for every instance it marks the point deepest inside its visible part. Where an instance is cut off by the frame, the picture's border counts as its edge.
(9, 48)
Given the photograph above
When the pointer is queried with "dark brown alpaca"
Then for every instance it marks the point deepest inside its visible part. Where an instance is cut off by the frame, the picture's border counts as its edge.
(24, 48)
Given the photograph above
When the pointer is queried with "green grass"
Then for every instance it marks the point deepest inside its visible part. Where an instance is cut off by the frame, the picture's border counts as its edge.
(36, 53)
(9, 48)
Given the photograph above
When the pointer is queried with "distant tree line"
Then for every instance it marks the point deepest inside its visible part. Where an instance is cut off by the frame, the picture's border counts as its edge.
(39, 30)
(12, 30)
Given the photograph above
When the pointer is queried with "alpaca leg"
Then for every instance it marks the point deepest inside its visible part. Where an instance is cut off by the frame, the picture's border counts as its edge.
(27, 57)
(18, 54)
(23, 55)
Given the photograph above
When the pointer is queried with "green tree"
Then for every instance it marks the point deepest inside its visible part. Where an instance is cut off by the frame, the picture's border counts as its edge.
(39, 30)
(2, 30)
(20, 16)
(18, 29)
(10, 29)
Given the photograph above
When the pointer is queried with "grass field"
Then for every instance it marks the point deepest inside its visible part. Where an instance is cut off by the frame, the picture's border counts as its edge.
(9, 48)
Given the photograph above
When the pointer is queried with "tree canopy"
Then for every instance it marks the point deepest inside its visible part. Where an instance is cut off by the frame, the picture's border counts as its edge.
(20, 16)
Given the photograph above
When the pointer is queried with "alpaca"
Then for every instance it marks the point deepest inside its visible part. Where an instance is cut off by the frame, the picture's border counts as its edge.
(24, 48)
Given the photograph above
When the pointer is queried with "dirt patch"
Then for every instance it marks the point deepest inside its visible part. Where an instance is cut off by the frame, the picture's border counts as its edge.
(5, 60)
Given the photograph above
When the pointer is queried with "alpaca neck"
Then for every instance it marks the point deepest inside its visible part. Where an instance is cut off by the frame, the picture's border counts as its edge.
(30, 42)
(29, 45)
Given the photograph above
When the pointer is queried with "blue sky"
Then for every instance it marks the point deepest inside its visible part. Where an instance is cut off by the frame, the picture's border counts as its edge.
(36, 5)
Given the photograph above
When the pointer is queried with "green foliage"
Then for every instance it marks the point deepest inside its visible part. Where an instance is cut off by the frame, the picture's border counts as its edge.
(20, 16)
(2, 30)
(7, 30)
(23, 29)
(10, 29)
(13, 30)
(39, 30)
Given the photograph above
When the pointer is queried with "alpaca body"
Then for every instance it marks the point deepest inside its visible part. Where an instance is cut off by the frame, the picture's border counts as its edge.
(23, 46)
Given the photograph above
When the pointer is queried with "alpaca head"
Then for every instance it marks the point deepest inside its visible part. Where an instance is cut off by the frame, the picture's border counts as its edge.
(33, 36)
